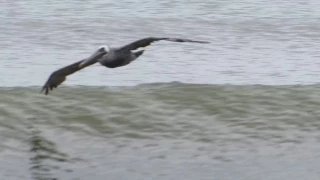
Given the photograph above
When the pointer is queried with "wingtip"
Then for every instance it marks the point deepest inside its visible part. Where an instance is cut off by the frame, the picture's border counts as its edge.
(44, 89)
(203, 42)
(186, 40)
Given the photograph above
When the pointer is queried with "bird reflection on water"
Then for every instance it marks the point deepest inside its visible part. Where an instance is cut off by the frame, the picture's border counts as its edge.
(44, 155)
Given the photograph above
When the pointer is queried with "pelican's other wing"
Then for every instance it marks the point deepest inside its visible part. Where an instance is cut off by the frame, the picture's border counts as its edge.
(147, 41)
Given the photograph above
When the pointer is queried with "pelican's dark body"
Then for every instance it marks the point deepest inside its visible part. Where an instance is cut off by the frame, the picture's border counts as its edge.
(118, 57)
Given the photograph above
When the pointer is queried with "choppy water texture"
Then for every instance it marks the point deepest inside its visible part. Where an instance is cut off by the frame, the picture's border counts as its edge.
(182, 111)
(161, 131)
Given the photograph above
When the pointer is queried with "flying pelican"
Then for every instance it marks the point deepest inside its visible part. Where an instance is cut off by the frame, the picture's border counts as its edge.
(108, 57)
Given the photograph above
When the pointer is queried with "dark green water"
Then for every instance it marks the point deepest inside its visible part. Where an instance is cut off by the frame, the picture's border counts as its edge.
(161, 131)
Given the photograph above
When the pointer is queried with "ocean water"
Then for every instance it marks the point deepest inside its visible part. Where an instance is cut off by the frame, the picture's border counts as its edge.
(245, 106)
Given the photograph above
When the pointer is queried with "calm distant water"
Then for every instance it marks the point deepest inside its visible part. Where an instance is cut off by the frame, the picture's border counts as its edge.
(181, 111)
(253, 42)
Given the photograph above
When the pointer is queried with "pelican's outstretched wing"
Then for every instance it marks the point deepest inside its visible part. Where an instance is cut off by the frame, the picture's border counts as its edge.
(147, 41)
(58, 76)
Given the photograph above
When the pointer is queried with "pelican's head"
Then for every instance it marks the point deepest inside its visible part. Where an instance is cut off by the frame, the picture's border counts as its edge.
(105, 48)
(95, 56)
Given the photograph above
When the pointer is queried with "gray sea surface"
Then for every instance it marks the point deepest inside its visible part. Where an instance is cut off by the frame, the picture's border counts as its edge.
(245, 106)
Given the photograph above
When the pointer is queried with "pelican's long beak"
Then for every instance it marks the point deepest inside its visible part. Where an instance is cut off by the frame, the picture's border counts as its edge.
(93, 58)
